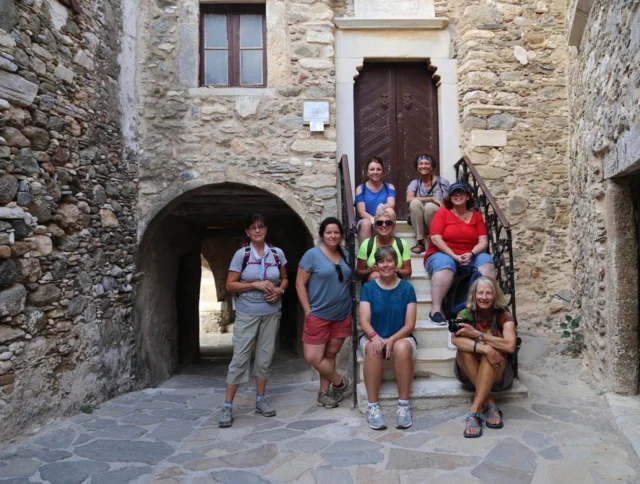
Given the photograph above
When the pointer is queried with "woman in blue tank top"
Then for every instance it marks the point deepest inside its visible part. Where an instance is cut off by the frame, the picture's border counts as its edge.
(370, 195)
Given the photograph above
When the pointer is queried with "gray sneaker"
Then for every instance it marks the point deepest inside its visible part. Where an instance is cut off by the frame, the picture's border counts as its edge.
(403, 417)
(226, 417)
(345, 391)
(327, 400)
(264, 407)
(374, 417)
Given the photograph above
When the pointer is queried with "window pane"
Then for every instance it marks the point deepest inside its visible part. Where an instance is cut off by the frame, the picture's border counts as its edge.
(250, 67)
(216, 67)
(215, 31)
(250, 31)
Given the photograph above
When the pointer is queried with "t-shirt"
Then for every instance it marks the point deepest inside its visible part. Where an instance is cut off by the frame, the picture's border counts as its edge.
(388, 306)
(485, 326)
(461, 237)
(253, 302)
(373, 199)
(362, 252)
(329, 298)
(440, 188)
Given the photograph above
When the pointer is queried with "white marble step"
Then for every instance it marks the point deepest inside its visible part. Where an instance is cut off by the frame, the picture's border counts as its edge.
(403, 228)
(432, 393)
(417, 265)
(429, 362)
(424, 306)
(421, 284)
(430, 335)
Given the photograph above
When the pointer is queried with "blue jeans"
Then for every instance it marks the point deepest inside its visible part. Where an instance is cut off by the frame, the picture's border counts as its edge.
(439, 262)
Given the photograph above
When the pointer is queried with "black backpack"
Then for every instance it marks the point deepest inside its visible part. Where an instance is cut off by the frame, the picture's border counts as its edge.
(456, 299)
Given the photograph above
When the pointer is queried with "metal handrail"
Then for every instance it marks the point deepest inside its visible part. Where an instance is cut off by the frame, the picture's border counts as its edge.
(349, 224)
(498, 228)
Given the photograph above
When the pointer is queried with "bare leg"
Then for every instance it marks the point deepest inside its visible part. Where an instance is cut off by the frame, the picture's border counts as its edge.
(314, 355)
(261, 385)
(365, 229)
(469, 364)
(488, 270)
(231, 392)
(403, 364)
(330, 353)
(440, 283)
(372, 375)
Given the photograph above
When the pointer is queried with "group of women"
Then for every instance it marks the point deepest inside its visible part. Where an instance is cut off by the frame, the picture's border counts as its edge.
(454, 239)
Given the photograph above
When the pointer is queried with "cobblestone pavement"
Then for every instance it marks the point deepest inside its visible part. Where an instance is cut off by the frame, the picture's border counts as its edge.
(563, 433)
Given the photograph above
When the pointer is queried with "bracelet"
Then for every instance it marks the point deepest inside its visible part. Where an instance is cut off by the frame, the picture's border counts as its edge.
(475, 343)
(473, 255)
(372, 335)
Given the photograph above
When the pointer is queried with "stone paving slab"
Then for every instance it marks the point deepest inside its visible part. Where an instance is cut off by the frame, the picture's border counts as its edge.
(561, 433)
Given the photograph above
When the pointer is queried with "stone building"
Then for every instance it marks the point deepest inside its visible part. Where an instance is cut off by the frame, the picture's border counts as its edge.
(137, 135)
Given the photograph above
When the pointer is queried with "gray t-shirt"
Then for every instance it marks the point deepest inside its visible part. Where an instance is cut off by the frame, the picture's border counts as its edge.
(329, 298)
(440, 188)
(253, 302)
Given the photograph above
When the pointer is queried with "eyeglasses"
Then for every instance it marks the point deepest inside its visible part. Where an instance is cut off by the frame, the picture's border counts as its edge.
(339, 271)
(255, 228)
(386, 223)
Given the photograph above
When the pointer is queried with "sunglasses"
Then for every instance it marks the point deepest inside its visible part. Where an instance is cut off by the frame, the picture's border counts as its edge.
(386, 223)
(339, 271)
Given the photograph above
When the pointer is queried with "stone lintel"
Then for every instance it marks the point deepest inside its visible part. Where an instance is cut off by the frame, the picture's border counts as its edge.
(624, 158)
(355, 23)
(488, 137)
(490, 109)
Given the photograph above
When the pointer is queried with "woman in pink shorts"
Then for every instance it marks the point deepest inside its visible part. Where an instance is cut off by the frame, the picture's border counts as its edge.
(322, 284)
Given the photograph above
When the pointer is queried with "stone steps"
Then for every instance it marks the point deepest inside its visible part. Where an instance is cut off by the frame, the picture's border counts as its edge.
(428, 362)
(432, 393)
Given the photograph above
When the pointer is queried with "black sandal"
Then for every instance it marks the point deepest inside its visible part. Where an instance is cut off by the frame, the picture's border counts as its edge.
(420, 246)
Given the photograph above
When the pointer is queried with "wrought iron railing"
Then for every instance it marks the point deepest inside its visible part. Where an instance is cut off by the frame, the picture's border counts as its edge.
(349, 224)
(499, 234)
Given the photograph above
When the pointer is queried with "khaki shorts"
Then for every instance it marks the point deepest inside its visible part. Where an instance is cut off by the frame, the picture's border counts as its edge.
(364, 341)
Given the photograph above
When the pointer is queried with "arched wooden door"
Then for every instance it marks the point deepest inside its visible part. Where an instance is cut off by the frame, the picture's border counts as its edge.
(396, 111)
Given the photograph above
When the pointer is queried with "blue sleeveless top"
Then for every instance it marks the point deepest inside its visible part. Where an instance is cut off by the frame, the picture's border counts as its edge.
(373, 199)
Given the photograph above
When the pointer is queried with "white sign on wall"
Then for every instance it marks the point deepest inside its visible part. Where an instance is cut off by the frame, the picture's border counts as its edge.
(395, 8)
(316, 114)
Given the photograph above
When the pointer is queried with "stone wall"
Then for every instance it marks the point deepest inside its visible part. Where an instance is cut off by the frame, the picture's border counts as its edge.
(604, 97)
(67, 231)
(512, 88)
(192, 135)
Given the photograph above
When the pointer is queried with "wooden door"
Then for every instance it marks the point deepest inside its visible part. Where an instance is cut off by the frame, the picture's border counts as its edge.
(396, 109)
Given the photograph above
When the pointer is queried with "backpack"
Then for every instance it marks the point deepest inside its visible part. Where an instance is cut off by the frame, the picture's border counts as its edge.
(372, 241)
(247, 254)
(456, 299)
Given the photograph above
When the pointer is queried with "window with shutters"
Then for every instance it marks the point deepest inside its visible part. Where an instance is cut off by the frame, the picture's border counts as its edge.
(232, 45)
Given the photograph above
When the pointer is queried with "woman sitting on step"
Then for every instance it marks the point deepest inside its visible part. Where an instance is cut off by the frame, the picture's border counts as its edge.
(484, 343)
(425, 196)
(385, 222)
(458, 243)
(322, 283)
(388, 308)
(371, 195)
(258, 277)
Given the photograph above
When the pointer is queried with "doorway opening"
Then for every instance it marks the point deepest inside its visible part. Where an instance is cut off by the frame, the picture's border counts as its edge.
(396, 116)
(184, 312)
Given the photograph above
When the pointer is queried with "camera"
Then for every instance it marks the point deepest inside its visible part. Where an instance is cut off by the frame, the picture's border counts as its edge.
(454, 324)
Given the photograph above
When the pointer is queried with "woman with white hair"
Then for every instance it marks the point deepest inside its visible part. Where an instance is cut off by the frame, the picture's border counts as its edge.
(485, 339)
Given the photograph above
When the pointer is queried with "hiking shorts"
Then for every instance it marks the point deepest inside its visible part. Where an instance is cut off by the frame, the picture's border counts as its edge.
(318, 331)
(439, 262)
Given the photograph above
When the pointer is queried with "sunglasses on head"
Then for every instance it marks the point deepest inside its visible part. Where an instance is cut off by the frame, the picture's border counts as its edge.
(339, 271)
(387, 223)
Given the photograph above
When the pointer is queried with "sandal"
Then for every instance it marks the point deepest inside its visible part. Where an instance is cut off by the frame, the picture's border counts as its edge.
(492, 412)
(471, 424)
(419, 248)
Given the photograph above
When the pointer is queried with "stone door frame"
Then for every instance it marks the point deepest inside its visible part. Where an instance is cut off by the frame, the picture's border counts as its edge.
(355, 46)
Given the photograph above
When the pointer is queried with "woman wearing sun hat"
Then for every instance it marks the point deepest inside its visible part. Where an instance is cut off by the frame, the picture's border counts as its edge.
(458, 243)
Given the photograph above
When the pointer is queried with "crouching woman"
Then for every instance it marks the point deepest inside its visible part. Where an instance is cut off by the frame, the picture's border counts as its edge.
(388, 308)
(483, 346)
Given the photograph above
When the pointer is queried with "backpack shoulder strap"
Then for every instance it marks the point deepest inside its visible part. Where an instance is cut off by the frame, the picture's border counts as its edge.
(245, 258)
(275, 255)
(370, 246)
(400, 245)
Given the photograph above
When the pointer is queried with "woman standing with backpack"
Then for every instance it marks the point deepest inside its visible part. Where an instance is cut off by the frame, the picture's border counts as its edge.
(322, 283)
(258, 277)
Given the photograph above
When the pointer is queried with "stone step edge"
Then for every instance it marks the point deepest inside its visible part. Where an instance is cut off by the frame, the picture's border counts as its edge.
(432, 393)
(428, 355)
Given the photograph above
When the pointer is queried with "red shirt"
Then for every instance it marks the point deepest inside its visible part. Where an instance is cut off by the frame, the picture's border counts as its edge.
(461, 237)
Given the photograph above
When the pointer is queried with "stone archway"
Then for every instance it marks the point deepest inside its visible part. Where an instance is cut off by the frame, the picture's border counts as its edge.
(206, 220)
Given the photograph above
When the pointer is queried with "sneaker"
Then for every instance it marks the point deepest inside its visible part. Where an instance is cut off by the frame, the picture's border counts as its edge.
(345, 391)
(438, 318)
(264, 407)
(226, 417)
(327, 400)
(374, 417)
(403, 417)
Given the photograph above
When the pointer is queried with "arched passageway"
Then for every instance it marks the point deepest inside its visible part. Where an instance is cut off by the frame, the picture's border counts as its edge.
(206, 222)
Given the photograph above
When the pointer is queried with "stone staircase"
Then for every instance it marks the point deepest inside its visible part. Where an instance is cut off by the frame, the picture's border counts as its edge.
(434, 385)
